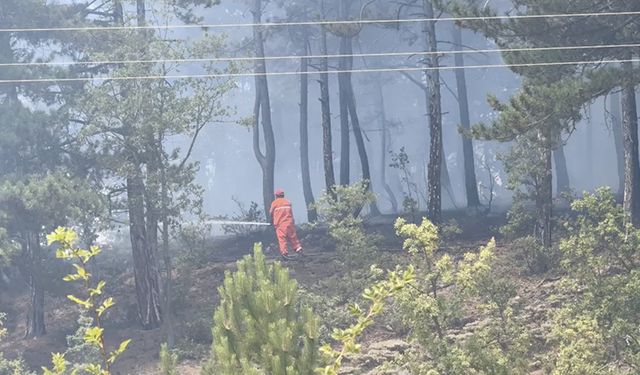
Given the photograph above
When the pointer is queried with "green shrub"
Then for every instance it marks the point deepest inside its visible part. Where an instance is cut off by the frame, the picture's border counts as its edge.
(92, 302)
(346, 227)
(195, 244)
(536, 257)
(601, 255)
(376, 297)
(168, 361)
(10, 367)
(259, 327)
(439, 306)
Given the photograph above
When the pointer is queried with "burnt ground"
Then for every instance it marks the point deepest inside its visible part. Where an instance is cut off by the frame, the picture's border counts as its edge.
(195, 294)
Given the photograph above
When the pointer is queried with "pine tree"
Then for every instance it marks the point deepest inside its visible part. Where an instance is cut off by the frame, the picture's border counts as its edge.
(259, 327)
(591, 80)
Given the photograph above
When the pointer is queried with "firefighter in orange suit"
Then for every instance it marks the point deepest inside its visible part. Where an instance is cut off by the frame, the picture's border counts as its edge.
(282, 220)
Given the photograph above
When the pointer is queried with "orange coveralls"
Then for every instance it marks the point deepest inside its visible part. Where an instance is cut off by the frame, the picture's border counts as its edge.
(282, 216)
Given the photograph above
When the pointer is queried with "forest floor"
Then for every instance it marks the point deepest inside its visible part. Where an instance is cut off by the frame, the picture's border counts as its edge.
(195, 296)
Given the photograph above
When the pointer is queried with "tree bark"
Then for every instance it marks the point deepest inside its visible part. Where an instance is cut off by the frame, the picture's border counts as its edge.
(344, 64)
(312, 215)
(618, 139)
(630, 134)
(141, 12)
(144, 259)
(384, 148)
(434, 199)
(470, 181)
(168, 284)
(36, 325)
(262, 114)
(327, 146)
(146, 276)
(562, 173)
(362, 151)
(544, 188)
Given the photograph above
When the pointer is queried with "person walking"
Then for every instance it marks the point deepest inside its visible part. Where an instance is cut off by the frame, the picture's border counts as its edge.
(282, 220)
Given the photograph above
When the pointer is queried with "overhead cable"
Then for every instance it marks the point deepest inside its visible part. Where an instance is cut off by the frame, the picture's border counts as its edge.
(321, 23)
(271, 74)
(291, 57)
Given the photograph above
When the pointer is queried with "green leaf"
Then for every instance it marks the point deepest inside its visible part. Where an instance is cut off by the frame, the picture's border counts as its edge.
(84, 303)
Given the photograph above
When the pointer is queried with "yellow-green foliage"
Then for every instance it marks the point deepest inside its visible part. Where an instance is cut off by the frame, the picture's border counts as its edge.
(259, 327)
(447, 291)
(376, 295)
(168, 361)
(346, 227)
(599, 325)
(93, 303)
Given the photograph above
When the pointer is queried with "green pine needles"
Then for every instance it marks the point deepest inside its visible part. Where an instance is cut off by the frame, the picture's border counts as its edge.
(259, 327)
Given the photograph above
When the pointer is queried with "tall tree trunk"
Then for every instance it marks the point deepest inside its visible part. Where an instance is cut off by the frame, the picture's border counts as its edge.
(544, 188)
(36, 324)
(141, 13)
(362, 151)
(470, 181)
(546, 200)
(143, 244)
(144, 260)
(630, 134)
(434, 199)
(343, 91)
(327, 146)
(262, 114)
(312, 215)
(384, 148)
(562, 173)
(118, 13)
(168, 283)
(357, 130)
(618, 139)
(166, 255)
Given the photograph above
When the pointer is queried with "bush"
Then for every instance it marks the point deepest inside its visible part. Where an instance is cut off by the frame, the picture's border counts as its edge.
(252, 214)
(168, 361)
(259, 327)
(93, 302)
(346, 227)
(439, 306)
(10, 367)
(599, 327)
(195, 243)
(536, 257)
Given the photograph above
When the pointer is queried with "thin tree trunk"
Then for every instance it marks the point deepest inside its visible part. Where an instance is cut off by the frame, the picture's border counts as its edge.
(434, 199)
(630, 134)
(327, 146)
(312, 215)
(562, 173)
(168, 284)
(144, 261)
(618, 139)
(141, 12)
(470, 181)
(544, 199)
(36, 324)
(118, 13)
(168, 267)
(146, 277)
(357, 130)
(382, 121)
(263, 114)
(343, 91)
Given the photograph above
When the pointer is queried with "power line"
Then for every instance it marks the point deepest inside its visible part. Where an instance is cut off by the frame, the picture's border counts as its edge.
(272, 58)
(320, 23)
(270, 74)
